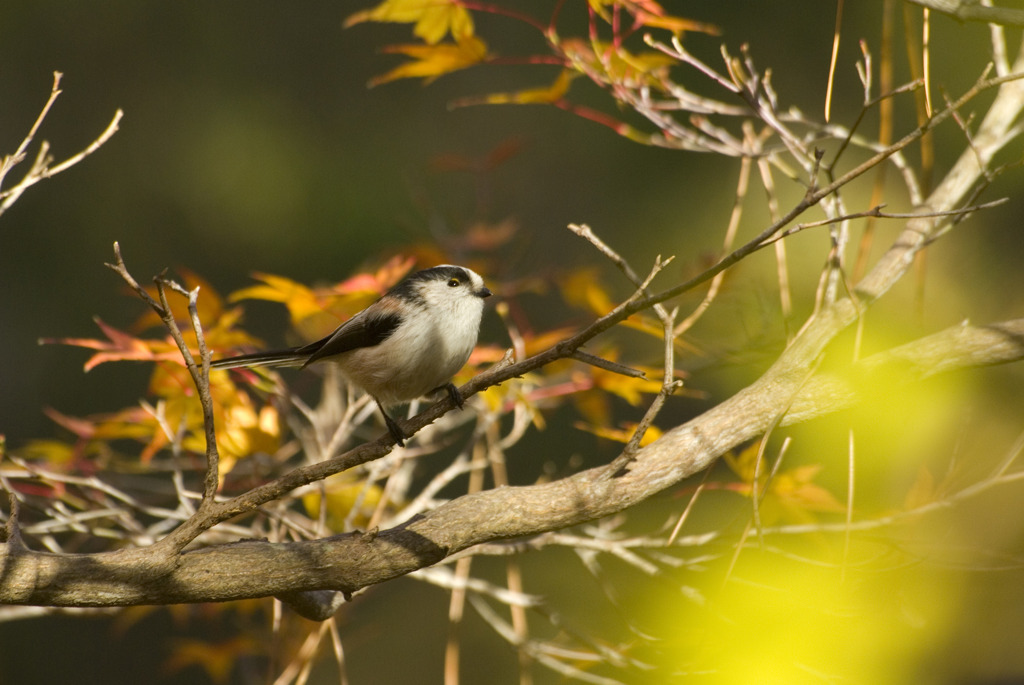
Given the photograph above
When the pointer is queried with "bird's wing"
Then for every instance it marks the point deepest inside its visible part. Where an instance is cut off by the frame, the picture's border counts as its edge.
(362, 330)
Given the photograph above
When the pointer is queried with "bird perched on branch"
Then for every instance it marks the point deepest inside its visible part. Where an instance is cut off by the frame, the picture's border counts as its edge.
(407, 344)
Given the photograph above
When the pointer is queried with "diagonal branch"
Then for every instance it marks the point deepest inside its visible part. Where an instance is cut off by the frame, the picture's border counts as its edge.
(349, 562)
(972, 10)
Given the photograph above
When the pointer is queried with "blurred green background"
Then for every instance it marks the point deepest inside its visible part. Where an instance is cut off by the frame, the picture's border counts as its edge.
(251, 143)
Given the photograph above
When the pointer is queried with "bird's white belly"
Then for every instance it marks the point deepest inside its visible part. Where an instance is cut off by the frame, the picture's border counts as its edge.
(394, 376)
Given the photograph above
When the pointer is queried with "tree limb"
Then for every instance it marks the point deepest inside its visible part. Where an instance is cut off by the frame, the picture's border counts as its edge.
(349, 562)
(972, 10)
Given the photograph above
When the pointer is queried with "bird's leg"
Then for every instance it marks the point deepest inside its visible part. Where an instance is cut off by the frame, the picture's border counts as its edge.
(396, 432)
(453, 393)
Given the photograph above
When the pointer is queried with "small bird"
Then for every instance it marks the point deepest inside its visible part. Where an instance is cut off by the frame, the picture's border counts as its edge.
(407, 344)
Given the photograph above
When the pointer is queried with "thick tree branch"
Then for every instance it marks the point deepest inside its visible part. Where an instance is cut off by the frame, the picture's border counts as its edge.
(972, 10)
(349, 562)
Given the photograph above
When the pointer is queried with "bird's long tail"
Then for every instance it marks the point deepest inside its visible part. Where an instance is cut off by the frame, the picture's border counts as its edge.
(290, 357)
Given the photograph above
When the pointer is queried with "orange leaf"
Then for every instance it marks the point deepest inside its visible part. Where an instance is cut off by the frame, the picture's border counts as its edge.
(120, 346)
(486, 237)
(538, 342)
(486, 354)
(596, 407)
(675, 24)
(377, 283)
(797, 490)
(82, 428)
(494, 158)
(744, 464)
(245, 431)
(216, 659)
(650, 13)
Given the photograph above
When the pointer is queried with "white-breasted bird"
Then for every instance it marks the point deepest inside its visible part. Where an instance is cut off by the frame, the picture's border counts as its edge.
(407, 344)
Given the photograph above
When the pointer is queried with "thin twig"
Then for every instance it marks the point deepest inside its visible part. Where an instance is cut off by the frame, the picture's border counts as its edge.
(607, 365)
(686, 511)
(832, 62)
(10, 161)
(40, 169)
(669, 384)
(200, 376)
(201, 380)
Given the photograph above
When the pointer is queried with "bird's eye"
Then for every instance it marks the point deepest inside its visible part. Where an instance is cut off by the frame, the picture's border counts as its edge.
(453, 283)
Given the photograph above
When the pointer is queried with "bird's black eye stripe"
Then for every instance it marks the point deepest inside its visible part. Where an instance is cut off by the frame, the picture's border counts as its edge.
(409, 290)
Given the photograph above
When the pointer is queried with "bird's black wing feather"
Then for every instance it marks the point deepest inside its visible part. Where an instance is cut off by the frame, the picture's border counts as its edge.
(359, 331)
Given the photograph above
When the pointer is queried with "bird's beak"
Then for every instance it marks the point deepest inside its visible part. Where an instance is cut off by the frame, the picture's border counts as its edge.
(484, 292)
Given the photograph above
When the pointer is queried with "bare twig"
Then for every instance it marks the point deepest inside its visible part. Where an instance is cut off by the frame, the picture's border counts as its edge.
(41, 168)
(10, 161)
(606, 364)
(832, 63)
(876, 212)
(200, 378)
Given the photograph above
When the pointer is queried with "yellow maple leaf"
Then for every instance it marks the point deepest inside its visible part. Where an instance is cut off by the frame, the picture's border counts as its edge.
(54, 452)
(623, 435)
(531, 96)
(301, 301)
(343, 493)
(246, 431)
(538, 342)
(434, 19)
(791, 495)
(432, 61)
(583, 288)
(628, 388)
(515, 393)
(615, 62)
